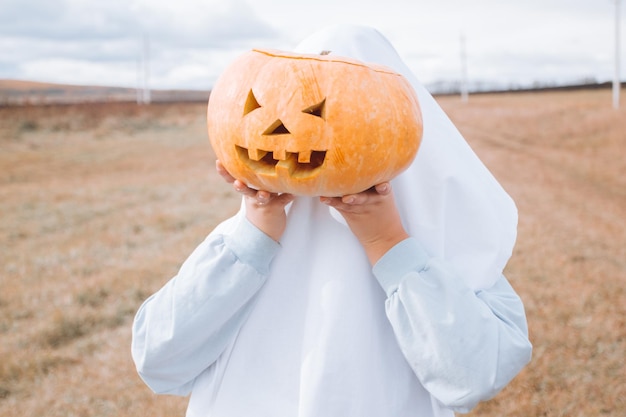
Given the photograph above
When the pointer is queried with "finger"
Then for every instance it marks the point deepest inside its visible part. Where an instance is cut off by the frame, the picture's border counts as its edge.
(330, 201)
(364, 197)
(383, 188)
(243, 189)
(338, 204)
(221, 170)
(284, 199)
(263, 197)
(355, 199)
(369, 195)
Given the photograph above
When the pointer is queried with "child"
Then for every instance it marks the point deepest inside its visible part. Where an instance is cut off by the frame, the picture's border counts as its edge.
(390, 302)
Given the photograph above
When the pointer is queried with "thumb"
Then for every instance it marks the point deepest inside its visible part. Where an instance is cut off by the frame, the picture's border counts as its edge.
(284, 199)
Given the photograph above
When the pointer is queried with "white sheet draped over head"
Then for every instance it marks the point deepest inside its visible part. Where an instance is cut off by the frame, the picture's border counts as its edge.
(447, 198)
(318, 335)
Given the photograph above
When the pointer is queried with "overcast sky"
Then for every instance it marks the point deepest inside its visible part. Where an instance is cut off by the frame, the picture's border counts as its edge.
(511, 42)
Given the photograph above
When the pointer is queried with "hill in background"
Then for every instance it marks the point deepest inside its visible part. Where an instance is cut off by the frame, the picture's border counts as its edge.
(19, 92)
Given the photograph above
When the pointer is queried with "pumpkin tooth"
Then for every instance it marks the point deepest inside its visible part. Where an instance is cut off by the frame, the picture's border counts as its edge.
(281, 154)
(256, 154)
(286, 167)
(304, 157)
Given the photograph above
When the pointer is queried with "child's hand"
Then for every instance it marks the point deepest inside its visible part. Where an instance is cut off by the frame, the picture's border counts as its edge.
(265, 210)
(373, 218)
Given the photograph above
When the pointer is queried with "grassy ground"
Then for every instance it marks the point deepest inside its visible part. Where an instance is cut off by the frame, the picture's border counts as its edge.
(99, 204)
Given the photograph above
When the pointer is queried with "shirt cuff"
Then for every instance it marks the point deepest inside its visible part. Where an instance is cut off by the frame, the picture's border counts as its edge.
(405, 257)
(251, 246)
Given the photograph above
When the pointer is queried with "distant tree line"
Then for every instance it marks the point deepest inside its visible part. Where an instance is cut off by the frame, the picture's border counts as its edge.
(483, 87)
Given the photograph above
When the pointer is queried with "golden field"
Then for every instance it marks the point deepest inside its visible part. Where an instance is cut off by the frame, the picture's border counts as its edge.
(100, 204)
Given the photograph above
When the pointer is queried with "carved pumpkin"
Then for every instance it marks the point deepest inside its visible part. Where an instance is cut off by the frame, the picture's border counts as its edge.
(314, 125)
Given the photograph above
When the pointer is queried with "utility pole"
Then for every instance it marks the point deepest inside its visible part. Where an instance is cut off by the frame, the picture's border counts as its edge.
(616, 75)
(464, 88)
(139, 85)
(146, 68)
(143, 71)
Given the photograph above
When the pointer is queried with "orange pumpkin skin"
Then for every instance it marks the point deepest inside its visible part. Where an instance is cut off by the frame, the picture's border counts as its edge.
(312, 125)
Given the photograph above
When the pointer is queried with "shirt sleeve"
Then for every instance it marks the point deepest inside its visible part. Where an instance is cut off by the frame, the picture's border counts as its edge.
(213, 291)
(464, 346)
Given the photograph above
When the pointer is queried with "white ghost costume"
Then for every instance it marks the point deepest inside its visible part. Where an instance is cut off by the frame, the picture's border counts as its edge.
(307, 328)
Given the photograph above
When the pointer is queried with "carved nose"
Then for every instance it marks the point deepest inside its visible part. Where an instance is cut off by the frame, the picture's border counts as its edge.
(276, 128)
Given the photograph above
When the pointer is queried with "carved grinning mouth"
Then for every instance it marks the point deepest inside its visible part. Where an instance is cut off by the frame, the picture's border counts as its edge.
(297, 164)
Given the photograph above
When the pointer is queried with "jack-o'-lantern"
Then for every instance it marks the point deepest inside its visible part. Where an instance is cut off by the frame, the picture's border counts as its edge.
(315, 125)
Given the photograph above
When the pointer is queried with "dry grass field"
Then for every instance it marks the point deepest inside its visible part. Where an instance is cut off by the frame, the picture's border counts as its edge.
(100, 203)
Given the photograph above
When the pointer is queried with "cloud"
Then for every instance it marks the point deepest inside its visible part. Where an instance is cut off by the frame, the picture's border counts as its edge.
(192, 41)
(191, 22)
(48, 40)
(65, 19)
(201, 23)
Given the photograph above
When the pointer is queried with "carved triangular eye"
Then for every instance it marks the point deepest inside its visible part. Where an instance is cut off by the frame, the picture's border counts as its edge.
(251, 103)
(318, 109)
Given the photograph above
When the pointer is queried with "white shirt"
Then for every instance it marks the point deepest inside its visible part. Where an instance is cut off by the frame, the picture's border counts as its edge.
(460, 347)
